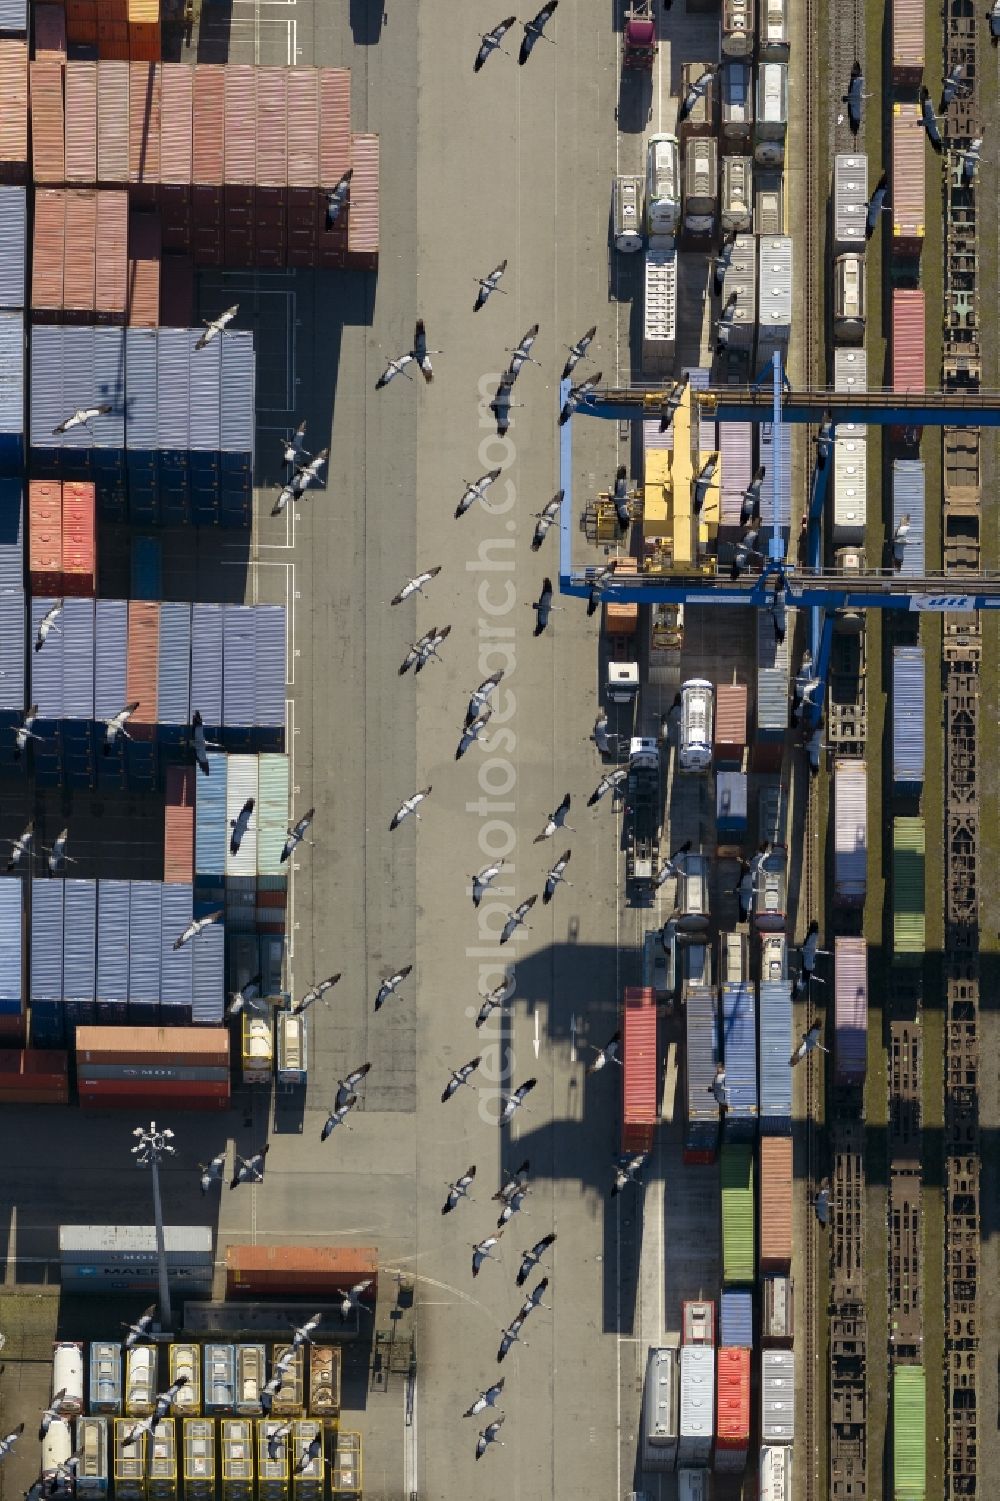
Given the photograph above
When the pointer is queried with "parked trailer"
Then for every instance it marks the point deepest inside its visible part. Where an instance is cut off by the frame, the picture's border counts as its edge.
(236, 1437)
(105, 1378)
(736, 206)
(736, 1318)
(775, 1042)
(773, 41)
(736, 1172)
(697, 1410)
(850, 201)
(92, 1473)
(740, 276)
(737, 105)
(289, 1402)
(626, 212)
(701, 186)
(775, 1473)
(324, 1381)
(184, 1362)
(909, 1433)
(701, 121)
(272, 1474)
(293, 1044)
(850, 847)
(737, 28)
(850, 1051)
(663, 185)
(140, 1381)
(251, 1377)
(775, 1203)
(849, 298)
(908, 42)
(771, 124)
(908, 499)
(771, 895)
(769, 201)
(57, 1446)
(908, 682)
(907, 184)
(778, 1320)
(777, 1396)
(661, 1409)
(908, 896)
(697, 1322)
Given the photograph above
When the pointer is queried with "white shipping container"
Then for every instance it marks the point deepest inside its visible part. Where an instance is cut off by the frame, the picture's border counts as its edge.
(741, 277)
(241, 784)
(850, 849)
(774, 282)
(850, 373)
(850, 491)
(772, 108)
(659, 314)
(777, 1396)
(775, 1473)
(57, 1446)
(773, 41)
(697, 1404)
(850, 201)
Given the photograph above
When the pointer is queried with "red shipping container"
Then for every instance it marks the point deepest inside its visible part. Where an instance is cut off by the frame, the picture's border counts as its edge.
(241, 124)
(272, 898)
(144, 41)
(206, 226)
(164, 1090)
(113, 123)
(111, 281)
(908, 44)
(48, 159)
(907, 189)
(79, 267)
(13, 1028)
(143, 669)
(34, 1077)
(176, 147)
(49, 250)
(95, 1097)
(302, 213)
(730, 724)
(732, 1413)
(50, 33)
(908, 330)
(112, 39)
(144, 270)
(272, 127)
(300, 1269)
(14, 115)
(363, 212)
(775, 1203)
(208, 125)
(176, 291)
(144, 133)
(640, 1071)
(178, 833)
(79, 538)
(45, 536)
(81, 123)
(161, 1046)
(81, 21)
(334, 125)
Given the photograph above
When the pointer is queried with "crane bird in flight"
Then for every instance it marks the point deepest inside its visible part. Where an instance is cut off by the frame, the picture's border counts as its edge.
(390, 985)
(460, 1076)
(215, 326)
(303, 1335)
(408, 806)
(509, 1337)
(490, 42)
(521, 355)
(488, 285)
(47, 624)
(244, 997)
(750, 502)
(415, 585)
(240, 825)
(483, 1250)
(316, 993)
(338, 198)
(21, 846)
(578, 351)
(82, 417)
(296, 834)
(483, 880)
(705, 481)
(611, 781)
(347, 1088)
(487, 1398)
(198, 925)
(576, 394)
(476, 490)
(695, 92)
(140, 1329)
(249, 1169)
(556, 876)
(810, 1041)
(515, 1101)
(556, 820)
(535, 30)
(338, 1116)
(543, 607)
(625, 1172)
(292, 449)
(531, 1258)
(200, 745)
(472, 729)
(352, 1298)
(517, 917)
(480, 696)
(53, 1411)
(212, 1172)
(608, 1054)
(117, 726)
(491, 1001)
(544, 519)
(672, 401)
(58, 858)
(491, 1433)
(459, 1190)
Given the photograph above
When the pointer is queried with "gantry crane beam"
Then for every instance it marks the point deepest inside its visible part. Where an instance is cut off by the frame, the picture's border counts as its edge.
(755, 404)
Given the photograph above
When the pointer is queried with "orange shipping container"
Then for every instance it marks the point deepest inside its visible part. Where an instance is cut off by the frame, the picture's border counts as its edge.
(48, 251)
(113, 123)
(48, 160)
(775, 1203)
(300, 1269)
(81, 21)
(79, 538)
(176, 123)
(178, 834)
(79, 267)
(45, 536)
(640, 1071)
(363, 214)
(50, 33)
(14, 114)
(144, 42)
(81, 122)
(34, 1077)
(733, 1406)
(730, 723)
(112, 39)
(143, 666)
(111, 281)
(206, 1046)
(144, 131)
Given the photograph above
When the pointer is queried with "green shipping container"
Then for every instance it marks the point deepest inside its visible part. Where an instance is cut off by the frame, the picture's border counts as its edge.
(908, 900)
(272, 814)
(909, 1430)
(737, 1213)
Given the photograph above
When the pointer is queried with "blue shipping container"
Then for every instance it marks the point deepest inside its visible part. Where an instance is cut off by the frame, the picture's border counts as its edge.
(112, 950)
(736, 1316)
(702, 1055)
(739, 1056)
(11, 946)
(908, 500)
(80, 952)
(908, 681)
(775, 1053)
(176, 965)
(730, 803)
(13, 217)
(11, 392)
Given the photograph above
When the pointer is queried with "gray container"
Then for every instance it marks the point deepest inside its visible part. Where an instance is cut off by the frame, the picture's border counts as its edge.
(701, 1057)
(771, 123)
(778, 1322)
(659, 314)
(736, 452)
(777, 1396)
(772, 28)
(850, 374)
(850, 201)
(908, 500)
(741, 277)
(737, 104)
(850, 491)
(219, 1378)
(105, 1378)
(774, 288)
(775, 1043)
(908, 682)
(697, 1423)
(768, 201)
(91, 1480)
(736, 196)
(701, 185)
(185, 1244)
(772, 703)
(737, 28)
(660, 1409)
(850, 843)
(770, 652)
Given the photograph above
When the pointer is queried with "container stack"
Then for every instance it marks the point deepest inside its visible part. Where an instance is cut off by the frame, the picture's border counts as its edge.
(739, 1056)
(142, 1067)
(252, 883)
(11, 962)
(120, 29)
(701, 1137)
(177, 446)
(12, 621)
(640, 1071)
(850, 962)
(62, 531)
(14, 115)
(775, 1051)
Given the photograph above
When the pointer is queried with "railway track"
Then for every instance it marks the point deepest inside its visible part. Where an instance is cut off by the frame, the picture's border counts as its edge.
(813, 1080)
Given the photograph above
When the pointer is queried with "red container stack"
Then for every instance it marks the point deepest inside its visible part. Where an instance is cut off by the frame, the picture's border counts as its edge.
(113, 124)
(362, 215)
(111, 281)
(303, 167)
(14, 115)
(34, 1077)
(241, 162)
(208, 164)
(143, 666)
(334, 160)
(144, 133)
(81, 21)
(45, 536)
(112, 29)
(176, 140)
(178, 833)
(301, 1270)
(48, 159)
(176, 291)
(79, 538)
(79, 267)
(640, 1071)
(49, 254)
(144, 270)
(732, 1420)
(81, 123)
(177, 1067)
(270, 201)
(50, 33)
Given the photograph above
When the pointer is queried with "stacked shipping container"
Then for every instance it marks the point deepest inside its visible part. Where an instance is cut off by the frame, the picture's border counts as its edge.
(908, 898)
(640, 1071)
(908, 718)
(62, 533)
(701, 1056)
(178, 1067)
(850, 959)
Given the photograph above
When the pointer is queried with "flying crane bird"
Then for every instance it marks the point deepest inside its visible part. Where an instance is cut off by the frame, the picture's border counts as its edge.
(472, 730)
(292, 449)
(899, 537)
(316, 993)
(165, 1400)
(21, 846)
(458, 1077)
(544, 519)
(695, 92)
(521, 354)
(672, 401)
(487, 1398)
(531, 1258)
(459, 1190)
(611, 781)
(352, 1298)
(488, 285)
(338, 1116)
(598, 578)
(953, 85)
(415, 585)
(140, 1329)
(619, 498)
(311, 1451)
(215, 326)
(82, 417)
(534, 1298)
(243, 997)
(421, 353)
(240, 825)
(779, 610)
(270, 1390)
(625, 1172)
(347, 1088)
(822, 1203)
(971, 160)
(9, 1440)
(483, 1251)
(390, 985)
(212, 1172)
(147, 1425)
(599, 735)
(393, 368)
(200, 744)
(517, 1183)
(811, 949)
(503, 402)
(275, 1440)
(704, 481)
(576, 394)
(509, 1337)
(408, 806)
(198, 925)
(876, 205)
(516, 919)
(928, 119)
(296, 834)
(249, 1169)
(556, 876)
(304, 476)
(58, 858)
(480, 696)
(810, 1041)
(303, 1335)
(491, 1433)
(721, 263)
(483, 880)
(718, 1087)
(512, 1205)
(116, 726)
(491, 42)
(48, 624)
(491, 1001)
(607, 1054)
(476, 490)
(515, 1101)
(53, 1411)
(419, 650)
(750, 503)
(337, 199)
(543, 606)
(535, 29)
(556, 820)
(824, 442)
(745, 550)
(578, 351)
(855, 97)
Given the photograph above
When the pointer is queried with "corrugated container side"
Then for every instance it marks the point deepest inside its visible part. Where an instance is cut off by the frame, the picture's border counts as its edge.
(736, 453)
(907, 41)
(909, 1433)
(269, 676)
(908, 895)
(159, 1046)
(640, 1100)
(775, 1042)
(143, 660)
(174, 673)
(273, 812)
(697, 1425)
(79, 272)
(48, 160)
(775, 1203)
(178, 834)
(176, 965)
(850, 491)
(850, 371)
(209, 993)
(850, 831)
(81, 122)
(45, 537)
(112, 949)
(144, 270)
(143, 955)
(363, 212)
(241, 786)
(295, 1269)
(238, 666)
(908, 499)
(908, 340)
(850, 200)
(206, 663)
(80, 950)
(209, 125)
(732, 1430)
(739, 1056)
(907, 185)
(908, 681)
(850, 959)
(144, 130)
(79, 537)
(736, 1318)
(701, 1057)
(13, 246)
(736, 1174)
(777, 1396)
(49, 250)
(730, 718)
(14, 115)
(113, 122)
(12, 954)
(12, 374)
(240, 134)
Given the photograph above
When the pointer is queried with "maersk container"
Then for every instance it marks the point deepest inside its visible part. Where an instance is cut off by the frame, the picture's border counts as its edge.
(909, 1433)
(46, 965)
(736, 1318)
(740, 277)
(176, 965)
(850, 491)
(239, 671)
(206, 666)
(730, 804)
(242, 785)
(113, 899)
(105, 1378)
(269, 677)
(219, 1379)
(736, 1173)
(777, 1396)
(660, 1409)
(850, 1053)
(908, 895)
(701, 1056)
(144, 953)
(850, 839)
(908, 500)
(80, 953)
(659, 312)
(174, 674)
(775, 1042)
(850, 201)
(697, 1425)
(739, 1057)
(91, 1481)
(908, 679)
(13, 242)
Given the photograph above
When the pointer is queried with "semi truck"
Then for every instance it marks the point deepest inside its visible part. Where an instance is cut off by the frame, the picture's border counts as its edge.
(645, 803)
(621, 626)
